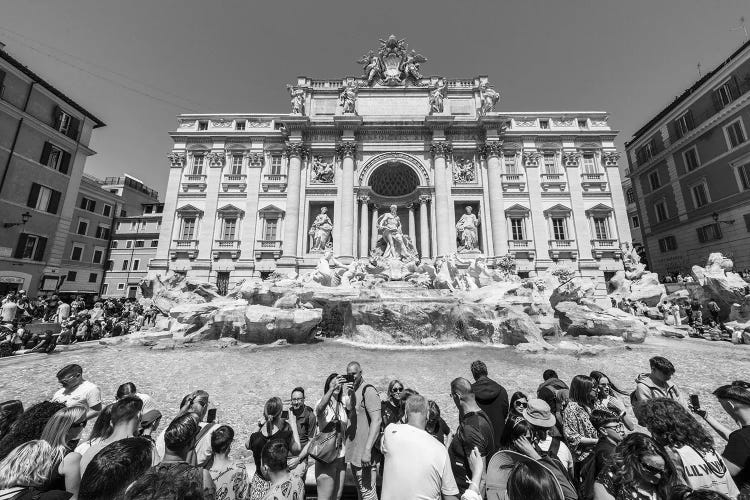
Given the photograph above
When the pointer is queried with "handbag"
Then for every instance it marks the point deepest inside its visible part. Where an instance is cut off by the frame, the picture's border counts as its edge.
(326, 445)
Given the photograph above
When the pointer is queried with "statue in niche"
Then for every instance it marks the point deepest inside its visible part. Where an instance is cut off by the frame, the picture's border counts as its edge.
(489, 97)
(437, 96)
(348, 99)
(463, 171)
(398, 245)
(298, 99)
(321, 231)
(322, 171)
(468, 236)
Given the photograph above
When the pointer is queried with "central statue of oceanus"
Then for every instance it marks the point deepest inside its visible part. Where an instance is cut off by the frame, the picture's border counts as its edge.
(398, 245)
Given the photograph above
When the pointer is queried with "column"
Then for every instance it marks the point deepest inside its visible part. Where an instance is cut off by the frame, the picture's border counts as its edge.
(412, 224)
(441, 149)
(424, 228)
(295, 151)
(374, 239)
(493, 151)
(347, 215)
(364, 232)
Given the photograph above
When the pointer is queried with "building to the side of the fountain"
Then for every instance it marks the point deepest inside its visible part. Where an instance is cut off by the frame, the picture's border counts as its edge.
(397, 166)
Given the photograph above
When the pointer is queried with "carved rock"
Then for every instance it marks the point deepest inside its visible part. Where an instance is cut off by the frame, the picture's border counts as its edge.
(265, 325)
(578, 319)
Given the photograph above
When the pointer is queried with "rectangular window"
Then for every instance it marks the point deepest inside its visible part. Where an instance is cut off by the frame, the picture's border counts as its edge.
(725, 94)
(30, 247)
(516, 228)
(667, 244)
(654, 181)
(188, 228)
(271, 227)
(275, 165)
(105, 289)
(140, 243)
(683, 124)
(700, 197)
(83, 227)
(558, 228)
(550, 163)
(230, 228)
(149, 209)
(107, 210)
(601, 228)
(93, 277)
(744, 173)
(589, 164)
(660, 209)
(630, 195)
(125, 265)
(509, 162)
(97, 259)
(102, 232)
(691, 159)
(645, 153)
(72, 275)
(77, 253)
(735, 133)
(43, 198)
(89, 205)
(63, 122)
(202, 124)
(129, 244)
(239, 125)
(236, 164)
(110, 265)
(154, 243)
(709, 232)
(635, 222)
(544, 124)
(136, 264)
(197, 164)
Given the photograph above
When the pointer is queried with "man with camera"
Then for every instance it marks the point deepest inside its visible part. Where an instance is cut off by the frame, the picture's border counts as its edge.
(306, 425)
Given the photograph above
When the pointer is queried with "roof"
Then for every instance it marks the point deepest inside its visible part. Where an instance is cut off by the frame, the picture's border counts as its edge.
(41, 81)
(682, 97)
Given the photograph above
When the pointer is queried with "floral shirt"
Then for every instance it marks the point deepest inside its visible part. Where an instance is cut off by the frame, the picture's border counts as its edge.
(292, 488)
(577, 425)
(231, 482)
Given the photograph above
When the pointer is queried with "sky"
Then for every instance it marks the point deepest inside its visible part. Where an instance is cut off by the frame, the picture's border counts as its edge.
(136, 64)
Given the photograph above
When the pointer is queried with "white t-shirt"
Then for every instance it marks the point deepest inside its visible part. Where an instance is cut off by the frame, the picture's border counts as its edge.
(706, 470)
(86, 394)
(563, 453)
(9, 311)
(63, 311)
(417, 465)
(329, 414)
(148, 402)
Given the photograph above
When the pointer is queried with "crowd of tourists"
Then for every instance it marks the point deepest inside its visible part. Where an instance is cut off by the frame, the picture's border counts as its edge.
(586, 439)
(25, 324)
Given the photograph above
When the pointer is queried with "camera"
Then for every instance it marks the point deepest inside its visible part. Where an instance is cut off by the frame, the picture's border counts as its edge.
(349, 378)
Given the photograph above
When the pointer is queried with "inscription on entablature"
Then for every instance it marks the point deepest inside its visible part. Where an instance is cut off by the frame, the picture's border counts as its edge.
(326, 136)
(392, 135)
(464, 136)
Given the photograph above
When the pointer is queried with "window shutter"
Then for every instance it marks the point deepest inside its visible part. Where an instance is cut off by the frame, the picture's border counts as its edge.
(33, 195)
(75, 123)
(54, 202)
(734, 89)
(40, 246)
(689, 120)
(45, 153)
(21, 245)
(65, 162)
(57, 117)
(717, 100)
(677, 129)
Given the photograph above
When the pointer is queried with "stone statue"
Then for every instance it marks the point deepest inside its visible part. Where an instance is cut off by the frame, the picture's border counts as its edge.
(372, 67)
(489, 97)
(411, 65)
(468, 235)
(398, 246)
(322, 171)
(464, 171)
(298, 100)
(436, 99)
(348, 99)
(321, 231)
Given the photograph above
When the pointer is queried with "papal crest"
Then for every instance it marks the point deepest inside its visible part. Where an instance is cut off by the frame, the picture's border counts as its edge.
(393, 64)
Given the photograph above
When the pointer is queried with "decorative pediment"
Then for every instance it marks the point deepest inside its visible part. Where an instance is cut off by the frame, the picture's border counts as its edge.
(189, 210)
(230, 211)
(198, 149)
(271, 212)
(557, 211)
(599, 210)
(517, 211)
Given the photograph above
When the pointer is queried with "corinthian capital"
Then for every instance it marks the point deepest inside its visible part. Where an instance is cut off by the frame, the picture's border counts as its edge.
(424, 199)
(491, 148)
(441, 148)
(346, 149)
(364, 199)
(531, 158)
(610, 158)
(295, 149)
(176, 159)
(216, 158)
(571, 158)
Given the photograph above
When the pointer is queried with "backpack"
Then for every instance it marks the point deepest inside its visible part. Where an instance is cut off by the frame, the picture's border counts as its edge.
(192, 456)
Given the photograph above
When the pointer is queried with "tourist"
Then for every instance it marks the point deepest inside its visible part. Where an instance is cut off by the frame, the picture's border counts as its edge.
(611, 432)
(606, 398)
(580, 435)
(676, 311)
(640, 469)
(436, 426)
(125, 421)
(474, 430)
(283, 484)
(416, 466)
(50, 308)
(392, 409)
(332, 416)
(714, 310)
(230, 478)
(129, 389)
(115, 468)
(304, 417)
(683, 492)
(548, 390)
(24, 472)
(518, 403)
(274, 428)
(62, 432)
(102, 429)
(77, 391)
(477, 468)
(491, 397)
(28, 426)
(9, 413)
(529, 479)
(697, 314)
(657, 383)
(196, 402)
(179, 441)
(363, 431)
(162, 485)
(539, 415)
(63, 312)
(9, 309)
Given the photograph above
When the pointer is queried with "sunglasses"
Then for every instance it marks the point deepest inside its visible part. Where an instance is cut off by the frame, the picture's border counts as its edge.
(521, 404)
(397, 389)
(651, 469)
(78, 425)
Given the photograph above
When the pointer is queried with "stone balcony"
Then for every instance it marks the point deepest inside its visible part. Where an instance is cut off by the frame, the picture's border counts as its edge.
(560, 248)
(513, 182)
(553, 182)
(522, 247)
(602, 247)
(230, 247)
(234, 182)
(268, 248)
(274, 183)
(192, 182)
(594, 181)
(188, 247)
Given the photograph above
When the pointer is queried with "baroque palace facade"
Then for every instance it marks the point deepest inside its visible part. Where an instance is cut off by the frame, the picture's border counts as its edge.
(250, 194)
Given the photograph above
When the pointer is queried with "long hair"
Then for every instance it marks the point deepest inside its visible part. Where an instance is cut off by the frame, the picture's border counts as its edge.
(103, 425)
(512, 408)
(626, 463)
(532, 480)
(580, 390)
(272, 411)
(671, 425)
(597, 376)
(29, 425)
(30, 464)
(9, 413)
(57, 428)
(391, 384)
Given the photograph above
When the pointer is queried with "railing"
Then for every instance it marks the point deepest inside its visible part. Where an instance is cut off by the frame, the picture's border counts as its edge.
(235, 177)
(195, 177)
(512, 244)
(513, 177)
(603, 243)
(553, 177)
(185, 243)
(273, 244)
(274, 178)
(556, 244)
(228, 243)
(595, 177)
(460, 83)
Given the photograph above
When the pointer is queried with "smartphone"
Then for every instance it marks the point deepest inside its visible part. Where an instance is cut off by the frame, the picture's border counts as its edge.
(211, 416)
(285, 414)
(695, 402)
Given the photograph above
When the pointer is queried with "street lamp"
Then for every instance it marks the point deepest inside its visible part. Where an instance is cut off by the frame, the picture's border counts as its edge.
(715, 216)
(24, 219)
